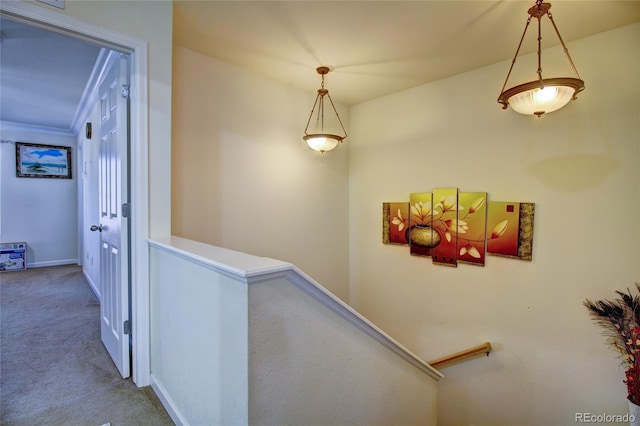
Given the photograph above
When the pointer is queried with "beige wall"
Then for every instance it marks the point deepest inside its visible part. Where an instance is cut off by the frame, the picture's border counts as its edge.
(579, 165)
(244, 179)
(313, 364)
(273, 348)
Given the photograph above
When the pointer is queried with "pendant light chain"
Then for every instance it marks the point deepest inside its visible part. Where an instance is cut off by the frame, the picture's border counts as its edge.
(320, 116)
(321, 111)
(321, 93)
(538, 5)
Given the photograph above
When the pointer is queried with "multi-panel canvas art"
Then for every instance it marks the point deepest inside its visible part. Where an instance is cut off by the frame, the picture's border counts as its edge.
(420, 234)
(510, 228)
(445, 223)
(394, 224)
(472, 219)
(455, 227)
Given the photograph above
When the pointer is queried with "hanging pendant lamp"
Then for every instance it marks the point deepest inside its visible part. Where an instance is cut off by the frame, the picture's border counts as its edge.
(543, 95)
(321, 135)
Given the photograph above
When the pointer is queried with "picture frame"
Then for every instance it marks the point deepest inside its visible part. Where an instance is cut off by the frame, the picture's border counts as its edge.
(43, 161)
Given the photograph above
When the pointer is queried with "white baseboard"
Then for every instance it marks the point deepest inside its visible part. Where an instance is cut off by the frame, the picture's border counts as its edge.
(167, 402)
(93, 285)
(52, 263)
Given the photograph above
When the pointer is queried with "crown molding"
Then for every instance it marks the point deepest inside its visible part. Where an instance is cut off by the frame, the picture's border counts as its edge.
(22, 127)
(105, 59)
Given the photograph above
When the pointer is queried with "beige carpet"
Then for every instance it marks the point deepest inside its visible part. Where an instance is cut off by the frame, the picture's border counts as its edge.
(54, 369)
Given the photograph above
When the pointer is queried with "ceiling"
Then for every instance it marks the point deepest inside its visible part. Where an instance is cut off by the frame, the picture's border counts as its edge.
(374, 48)
(43, 75)
(379, 47)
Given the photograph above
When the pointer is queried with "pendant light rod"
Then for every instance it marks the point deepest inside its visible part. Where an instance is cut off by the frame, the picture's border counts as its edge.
(564, 46)
(513, 61)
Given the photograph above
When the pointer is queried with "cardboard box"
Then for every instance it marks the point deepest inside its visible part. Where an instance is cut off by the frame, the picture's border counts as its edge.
(13, 256)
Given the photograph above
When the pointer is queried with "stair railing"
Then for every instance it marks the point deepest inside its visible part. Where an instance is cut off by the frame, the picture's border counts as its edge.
(448, 360)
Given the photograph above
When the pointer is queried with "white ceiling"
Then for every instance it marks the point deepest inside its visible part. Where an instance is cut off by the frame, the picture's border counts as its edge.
(373, 47)
(379, 47)
(43, 75)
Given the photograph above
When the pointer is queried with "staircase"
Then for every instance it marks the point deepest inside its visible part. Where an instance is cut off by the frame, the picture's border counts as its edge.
(244, 340)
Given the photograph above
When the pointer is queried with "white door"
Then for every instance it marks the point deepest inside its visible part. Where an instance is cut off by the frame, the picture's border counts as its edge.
(114, 227)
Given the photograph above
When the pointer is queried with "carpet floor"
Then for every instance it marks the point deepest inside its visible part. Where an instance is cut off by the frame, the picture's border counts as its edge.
(54, 369)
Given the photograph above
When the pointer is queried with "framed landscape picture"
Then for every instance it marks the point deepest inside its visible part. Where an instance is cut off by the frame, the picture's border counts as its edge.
(43, 161)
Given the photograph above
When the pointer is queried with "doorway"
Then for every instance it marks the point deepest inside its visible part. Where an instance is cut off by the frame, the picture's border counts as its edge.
(138, 216)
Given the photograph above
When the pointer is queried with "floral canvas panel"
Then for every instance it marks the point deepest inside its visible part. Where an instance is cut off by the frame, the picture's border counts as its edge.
(510, 229)
(395, 223)
(503, 224)
(421, 237)
(445, 223)
(472, 226)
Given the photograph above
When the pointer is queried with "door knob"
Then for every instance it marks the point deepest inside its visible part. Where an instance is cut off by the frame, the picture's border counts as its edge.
(96, 228)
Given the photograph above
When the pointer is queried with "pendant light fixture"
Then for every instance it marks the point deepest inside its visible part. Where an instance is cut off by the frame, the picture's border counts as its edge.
(543, 95)
(323, 135)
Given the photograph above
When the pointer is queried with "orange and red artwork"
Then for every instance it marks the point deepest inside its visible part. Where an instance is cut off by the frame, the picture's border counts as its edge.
(395, 223)
(455, 227)
(472, 219)
(420, 234)
(445, 222)
(510, 226)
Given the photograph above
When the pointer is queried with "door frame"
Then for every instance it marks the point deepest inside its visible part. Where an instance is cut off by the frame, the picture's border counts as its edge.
(138, 159)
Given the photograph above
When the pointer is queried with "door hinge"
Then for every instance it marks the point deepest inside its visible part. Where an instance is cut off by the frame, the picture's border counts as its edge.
(126, 210)
(127, 327)
(125, 91)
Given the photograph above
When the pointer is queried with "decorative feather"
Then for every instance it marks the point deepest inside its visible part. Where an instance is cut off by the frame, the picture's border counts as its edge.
(620, 319)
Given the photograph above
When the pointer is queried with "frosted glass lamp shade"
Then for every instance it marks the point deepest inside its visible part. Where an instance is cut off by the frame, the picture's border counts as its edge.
(532, 98)
(322, 142)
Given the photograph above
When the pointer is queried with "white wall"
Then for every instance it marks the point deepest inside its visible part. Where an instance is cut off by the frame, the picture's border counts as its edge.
(41, 211)
(244, 179)
(199, 327)
(579, 165)
(252, 340)
(88, 174)
(309, 366)
(150, 21)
